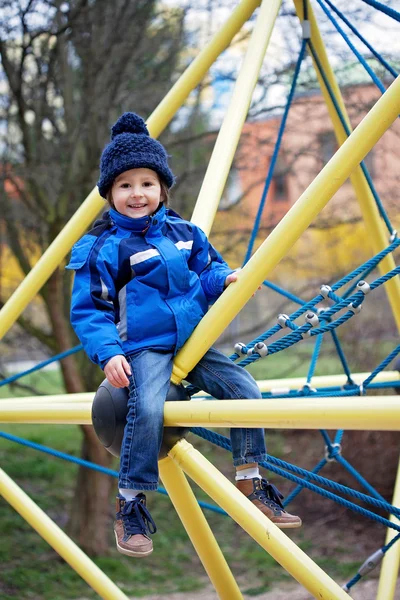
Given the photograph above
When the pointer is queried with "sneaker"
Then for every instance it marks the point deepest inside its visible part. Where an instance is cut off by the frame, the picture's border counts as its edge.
(132, 526)
(268, 499)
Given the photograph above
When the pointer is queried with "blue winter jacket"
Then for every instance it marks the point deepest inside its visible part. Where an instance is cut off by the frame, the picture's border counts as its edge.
(142, 283)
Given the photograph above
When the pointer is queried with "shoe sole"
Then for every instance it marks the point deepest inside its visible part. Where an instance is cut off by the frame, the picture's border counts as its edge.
(131, 552)
(288, 525)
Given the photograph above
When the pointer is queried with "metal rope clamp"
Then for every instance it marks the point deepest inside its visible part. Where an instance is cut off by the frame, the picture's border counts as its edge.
(329, 455)
(240, 348)
(312, 319)
(259, 348)
(363, 287)
(325, 290)
(282, 318)
(306, 29)
(355, 308)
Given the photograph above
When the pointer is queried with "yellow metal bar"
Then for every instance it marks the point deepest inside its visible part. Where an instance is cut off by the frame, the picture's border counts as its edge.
(228, 138)
(198, 530)
(58, 540)
(280, 386)
(377, 232)
(286, 233)
(257, 525)
(376, 413)
(60, 414)
(265, 385)
(93, 204)
(391, 560)
(372, 413)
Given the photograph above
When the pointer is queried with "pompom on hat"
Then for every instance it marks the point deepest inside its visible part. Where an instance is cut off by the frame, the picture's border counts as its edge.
(131, 147)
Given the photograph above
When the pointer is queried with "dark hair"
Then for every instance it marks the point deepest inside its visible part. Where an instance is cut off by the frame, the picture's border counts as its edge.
(164, 193)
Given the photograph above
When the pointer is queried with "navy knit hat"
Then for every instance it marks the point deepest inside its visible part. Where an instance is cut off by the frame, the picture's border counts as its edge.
(131, 147)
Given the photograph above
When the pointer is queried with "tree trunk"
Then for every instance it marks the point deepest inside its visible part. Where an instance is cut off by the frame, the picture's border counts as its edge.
(89, 520)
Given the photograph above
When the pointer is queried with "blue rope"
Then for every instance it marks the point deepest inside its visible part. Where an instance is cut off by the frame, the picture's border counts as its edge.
(348, 132)
(300, 487)
(283, 292)
(380, 58)
(391, 12)
(362, 60)
(370, 264)
(88, 464)
(340, 459)
(341, 355)
(382, 366)
(41, 365)
(270, 464)
(297, 335)
(275, 153)
(314, 358)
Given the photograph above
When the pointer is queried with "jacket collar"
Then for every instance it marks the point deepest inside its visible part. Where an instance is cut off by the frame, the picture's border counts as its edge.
(152, 222)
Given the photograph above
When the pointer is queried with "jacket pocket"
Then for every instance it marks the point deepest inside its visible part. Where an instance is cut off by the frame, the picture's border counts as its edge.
(81, 251)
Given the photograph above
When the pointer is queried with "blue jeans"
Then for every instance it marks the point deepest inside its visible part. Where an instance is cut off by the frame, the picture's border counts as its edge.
(148, 388)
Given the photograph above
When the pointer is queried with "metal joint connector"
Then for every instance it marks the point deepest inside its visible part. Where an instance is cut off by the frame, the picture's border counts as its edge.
(363, 287)
(307, 388)
(355, 308)
(282, 318)
(371, 562)
(325, 290)
(328, 456)
(393, 236)
(261, 349)
(312, 318)
(240, 348)
(306, 29)
(306, 334)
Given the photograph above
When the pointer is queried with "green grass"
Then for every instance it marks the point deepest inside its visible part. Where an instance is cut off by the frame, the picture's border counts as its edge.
(44, 382)
(30, 570)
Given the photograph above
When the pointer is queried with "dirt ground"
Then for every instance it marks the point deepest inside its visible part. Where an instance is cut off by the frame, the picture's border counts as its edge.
(364, 590)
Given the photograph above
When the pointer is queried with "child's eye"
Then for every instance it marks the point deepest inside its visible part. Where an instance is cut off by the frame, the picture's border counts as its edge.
(148, 183)
(124, 185)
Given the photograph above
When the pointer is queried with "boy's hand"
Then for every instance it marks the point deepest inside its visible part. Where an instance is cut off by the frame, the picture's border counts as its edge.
(232, 278)
(116, 371)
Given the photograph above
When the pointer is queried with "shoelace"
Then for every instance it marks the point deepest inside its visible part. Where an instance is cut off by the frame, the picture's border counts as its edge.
(137, 518)
(272, 493)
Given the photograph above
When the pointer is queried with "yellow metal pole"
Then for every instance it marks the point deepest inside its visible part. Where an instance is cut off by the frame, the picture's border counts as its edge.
(380, 413)
(277, 386)
(58, 540)
(257, 525)
(60, 414)
(93, 204)
(371, 413)
(286, 233)
(377, 233)
(228, 138)
(322, 381)
(198, 530)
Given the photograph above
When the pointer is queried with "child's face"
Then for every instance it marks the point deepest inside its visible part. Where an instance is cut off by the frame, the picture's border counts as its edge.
(136, 193)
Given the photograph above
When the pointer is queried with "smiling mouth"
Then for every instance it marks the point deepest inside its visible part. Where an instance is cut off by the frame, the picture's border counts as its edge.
(136, 205)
